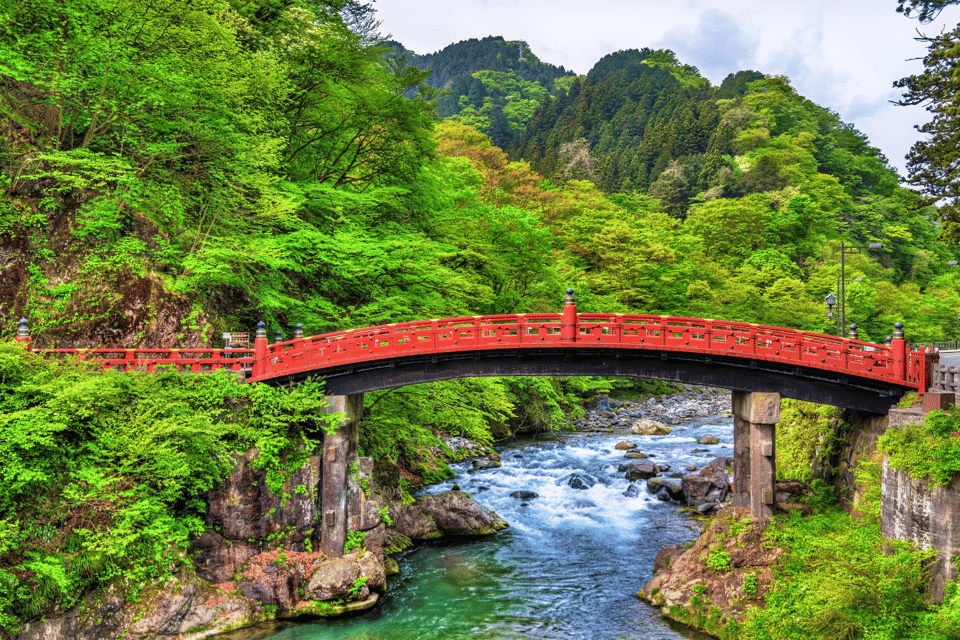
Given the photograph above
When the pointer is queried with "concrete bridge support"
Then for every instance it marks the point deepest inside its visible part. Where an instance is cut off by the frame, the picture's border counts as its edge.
(755, 416)
(339, 450)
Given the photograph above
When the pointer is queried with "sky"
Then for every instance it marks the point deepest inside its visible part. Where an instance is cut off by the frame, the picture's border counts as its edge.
(842, 54)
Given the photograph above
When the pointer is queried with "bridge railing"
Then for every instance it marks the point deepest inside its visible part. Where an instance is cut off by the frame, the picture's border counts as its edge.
(183, 360)
(594, 329)
(511, 331)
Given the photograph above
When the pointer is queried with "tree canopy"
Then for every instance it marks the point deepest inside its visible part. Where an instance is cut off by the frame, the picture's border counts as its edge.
(933, 163)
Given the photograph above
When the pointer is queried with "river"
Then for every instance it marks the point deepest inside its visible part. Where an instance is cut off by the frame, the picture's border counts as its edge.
(569, 566)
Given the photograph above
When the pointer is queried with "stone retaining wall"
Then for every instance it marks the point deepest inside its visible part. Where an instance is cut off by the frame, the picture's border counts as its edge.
(910, 509)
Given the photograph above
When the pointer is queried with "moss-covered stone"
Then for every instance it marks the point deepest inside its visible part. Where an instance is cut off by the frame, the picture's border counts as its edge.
(313, 608)
(711, 584)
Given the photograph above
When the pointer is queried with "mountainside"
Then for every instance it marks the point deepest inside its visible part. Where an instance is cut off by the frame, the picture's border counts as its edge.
(654, 125)
(492, 84)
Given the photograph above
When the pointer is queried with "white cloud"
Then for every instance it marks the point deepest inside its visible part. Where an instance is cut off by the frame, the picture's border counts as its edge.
(717, 45)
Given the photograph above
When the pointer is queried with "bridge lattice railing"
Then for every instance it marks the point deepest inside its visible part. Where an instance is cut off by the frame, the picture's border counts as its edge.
(892, 363)
(632, 331)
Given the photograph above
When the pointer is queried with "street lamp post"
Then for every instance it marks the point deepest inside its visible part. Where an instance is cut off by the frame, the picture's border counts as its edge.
(844, 250)
(832, 301)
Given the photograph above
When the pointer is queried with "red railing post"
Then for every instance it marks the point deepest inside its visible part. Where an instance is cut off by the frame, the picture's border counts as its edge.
(898, 352)
(260, 348)
(23, 334)
(930, 357)
(568, 320)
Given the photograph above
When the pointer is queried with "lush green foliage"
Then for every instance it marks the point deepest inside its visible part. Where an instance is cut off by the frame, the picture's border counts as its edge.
(242, 145)
(807, 438)
(103, 474)
(930, 451)
(838, 582)
(354, 541)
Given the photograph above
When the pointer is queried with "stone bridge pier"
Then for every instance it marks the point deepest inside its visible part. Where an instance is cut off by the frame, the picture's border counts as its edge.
(755, 416)
(340, 448)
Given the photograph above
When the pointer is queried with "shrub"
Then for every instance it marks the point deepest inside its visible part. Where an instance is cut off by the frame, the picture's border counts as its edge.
(102, 474)
(841, 579)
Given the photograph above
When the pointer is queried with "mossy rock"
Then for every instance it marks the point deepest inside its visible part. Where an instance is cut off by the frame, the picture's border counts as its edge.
(314, 608)
(394, 542)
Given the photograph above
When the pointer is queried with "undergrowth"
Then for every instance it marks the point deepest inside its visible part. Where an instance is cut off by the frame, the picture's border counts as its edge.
(807, 436)
(842, 580)
(102, 474)
(928, 451)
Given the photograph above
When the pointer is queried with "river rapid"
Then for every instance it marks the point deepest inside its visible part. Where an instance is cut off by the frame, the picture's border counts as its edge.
(569, 566)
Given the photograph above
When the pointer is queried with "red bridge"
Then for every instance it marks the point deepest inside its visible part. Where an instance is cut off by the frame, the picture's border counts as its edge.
(843, 372)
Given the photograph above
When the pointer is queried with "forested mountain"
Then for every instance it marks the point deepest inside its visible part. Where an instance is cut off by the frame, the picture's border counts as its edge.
(491, 84)
(653, 124)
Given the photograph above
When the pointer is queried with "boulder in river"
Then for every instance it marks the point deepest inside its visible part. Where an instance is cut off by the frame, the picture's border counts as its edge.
(524, 495)
(638, 470)
(626, 445)
(709, 485)
(577, 480)
(674, 490)
(482, 463)
(655, 485)
(647, 427)
(635, 455)
(632, 491)
(708, 439)
(451, 513)
(332, 580)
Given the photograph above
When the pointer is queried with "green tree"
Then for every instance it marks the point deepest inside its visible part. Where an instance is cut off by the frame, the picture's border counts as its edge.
(932, 163)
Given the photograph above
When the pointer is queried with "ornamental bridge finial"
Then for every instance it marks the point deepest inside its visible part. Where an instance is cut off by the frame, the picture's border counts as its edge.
(568, 321)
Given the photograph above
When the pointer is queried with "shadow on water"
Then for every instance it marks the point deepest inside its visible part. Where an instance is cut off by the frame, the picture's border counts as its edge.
(568, 568)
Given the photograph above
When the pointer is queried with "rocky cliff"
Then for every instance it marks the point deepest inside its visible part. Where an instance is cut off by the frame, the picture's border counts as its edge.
(258, 560)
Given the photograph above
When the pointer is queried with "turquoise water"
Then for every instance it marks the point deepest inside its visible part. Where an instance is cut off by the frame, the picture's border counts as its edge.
(569, 567)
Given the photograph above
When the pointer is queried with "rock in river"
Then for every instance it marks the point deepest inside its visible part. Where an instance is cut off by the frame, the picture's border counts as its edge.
(577, 480)
(626, 444)
(709, 485)
(656, 485)
(647, 427)
(452, 513)
(480, 464)
(524, 495)
(638, 470)
(708, 439)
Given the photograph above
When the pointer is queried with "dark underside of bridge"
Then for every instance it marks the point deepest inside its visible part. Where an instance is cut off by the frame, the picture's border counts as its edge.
(790, 381)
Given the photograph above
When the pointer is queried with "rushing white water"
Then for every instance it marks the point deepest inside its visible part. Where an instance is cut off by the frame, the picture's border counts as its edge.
(569, 566)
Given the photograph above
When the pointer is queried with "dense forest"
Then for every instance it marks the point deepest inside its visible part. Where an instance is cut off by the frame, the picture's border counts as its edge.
(170, 171)
(491, 84)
